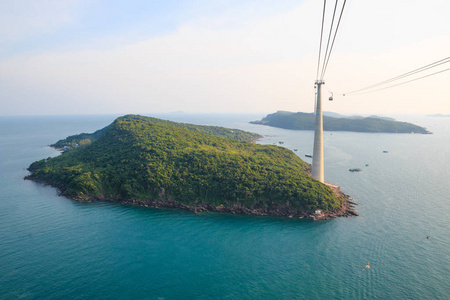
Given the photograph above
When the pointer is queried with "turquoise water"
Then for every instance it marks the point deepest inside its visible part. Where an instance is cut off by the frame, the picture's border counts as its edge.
(54, 248)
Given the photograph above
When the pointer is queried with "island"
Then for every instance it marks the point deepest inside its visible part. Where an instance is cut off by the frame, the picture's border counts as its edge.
(157, 163)
(305, 121)
(440, 115)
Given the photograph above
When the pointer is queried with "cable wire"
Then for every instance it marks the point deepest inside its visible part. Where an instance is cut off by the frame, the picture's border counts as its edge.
(328, 42)
(391, 86)
(321, 34)
(334, 38)
(424, 68)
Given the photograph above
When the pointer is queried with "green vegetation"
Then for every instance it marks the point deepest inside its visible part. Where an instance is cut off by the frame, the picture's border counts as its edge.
(305, 121)
(154, 161)
(77, 140)
(87, 138)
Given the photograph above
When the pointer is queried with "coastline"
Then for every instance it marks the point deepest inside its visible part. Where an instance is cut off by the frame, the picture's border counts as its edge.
(346, 208)
(347, 205)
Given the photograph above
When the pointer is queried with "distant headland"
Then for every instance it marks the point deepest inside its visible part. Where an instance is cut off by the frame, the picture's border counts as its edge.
(336, 122)
(440, 116)
(156, 163)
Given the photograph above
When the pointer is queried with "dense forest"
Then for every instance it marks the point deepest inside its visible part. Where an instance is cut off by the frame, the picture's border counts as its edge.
(87, 138)
(163, 163)
(305, 121)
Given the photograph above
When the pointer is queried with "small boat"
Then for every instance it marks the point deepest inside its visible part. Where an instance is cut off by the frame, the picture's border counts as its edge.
(367, 165)
(281, 142)
(355, 170)
(385, 151)
(295, 149)
(308, 155)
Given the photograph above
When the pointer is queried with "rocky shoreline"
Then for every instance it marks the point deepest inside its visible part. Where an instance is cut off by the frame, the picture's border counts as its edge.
(346, 208)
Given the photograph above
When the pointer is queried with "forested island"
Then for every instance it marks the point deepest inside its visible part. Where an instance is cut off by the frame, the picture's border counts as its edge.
(305, 121)
(157, 163)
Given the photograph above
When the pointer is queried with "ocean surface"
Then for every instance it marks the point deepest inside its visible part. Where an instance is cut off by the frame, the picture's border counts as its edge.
(52, 247)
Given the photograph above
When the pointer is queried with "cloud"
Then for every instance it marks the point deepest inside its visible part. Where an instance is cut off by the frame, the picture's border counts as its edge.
(262, 64)
(353, 71)
(196, 68)
(24, 18)
(385, 25)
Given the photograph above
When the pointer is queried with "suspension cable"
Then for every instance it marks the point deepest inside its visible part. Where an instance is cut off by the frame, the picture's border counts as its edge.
(321, 34)
(391, 86)
(328, 42)
(418, 70)
(332, 44)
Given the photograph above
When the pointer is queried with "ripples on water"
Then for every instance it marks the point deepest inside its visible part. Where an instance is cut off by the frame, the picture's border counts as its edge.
(53, 247)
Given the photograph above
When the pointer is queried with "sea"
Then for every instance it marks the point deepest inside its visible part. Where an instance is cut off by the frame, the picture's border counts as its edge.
(52, 247)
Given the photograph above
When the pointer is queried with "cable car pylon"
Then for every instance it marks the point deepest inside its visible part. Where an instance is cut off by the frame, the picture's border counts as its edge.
(317, 163)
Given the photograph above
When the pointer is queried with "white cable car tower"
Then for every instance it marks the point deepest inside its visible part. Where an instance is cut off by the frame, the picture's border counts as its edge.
(317, 162)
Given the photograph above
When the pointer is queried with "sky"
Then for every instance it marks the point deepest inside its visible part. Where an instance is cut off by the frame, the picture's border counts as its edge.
(210, 56)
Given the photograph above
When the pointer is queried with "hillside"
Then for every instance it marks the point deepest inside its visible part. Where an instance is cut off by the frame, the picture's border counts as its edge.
(83, 139)
(152, 162)
(305, 121)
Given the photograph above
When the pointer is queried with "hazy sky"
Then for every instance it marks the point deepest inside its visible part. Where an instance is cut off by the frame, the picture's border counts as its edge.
(153, 56)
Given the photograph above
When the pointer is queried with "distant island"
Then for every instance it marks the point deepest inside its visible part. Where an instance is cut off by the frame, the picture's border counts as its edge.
(305, 121)
(156, 163)
(440, 115)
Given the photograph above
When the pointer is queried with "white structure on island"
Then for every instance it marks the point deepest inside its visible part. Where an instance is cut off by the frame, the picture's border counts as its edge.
(317, 163)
